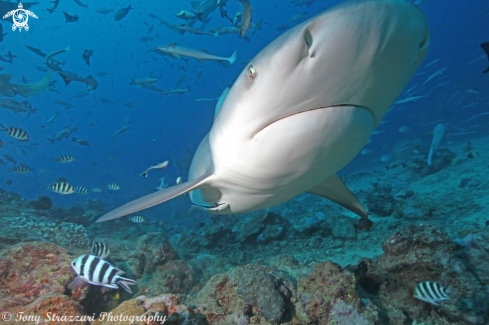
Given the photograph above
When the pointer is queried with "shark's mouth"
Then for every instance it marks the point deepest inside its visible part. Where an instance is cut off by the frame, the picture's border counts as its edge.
(216, 207)
(308, 110)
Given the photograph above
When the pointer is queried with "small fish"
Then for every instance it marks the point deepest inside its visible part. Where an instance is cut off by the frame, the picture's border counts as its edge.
(121, 130)
(16, 133)
(96, 189)
(145, 39)
(83, 142)
(61, 188)
(21, 169)
(385, 158)
(44, 171)
(9, 182)
(81, 4)
(137, 219)
(188, 15)
(121, 13)
(64, 159)
(362, 269)
(434, 75)
(431, 292)
(366, 152)
(87, 54)
(404, 129)
(113, 186)
(1, 144)
(97, 271)
(104, 11)
(159, 166)
(100, 249)
(110, 158)
(52, 118)
(69, 18)
(179, 180)
(410, 99)
(364, 224)
(12, 160)
(81, 190)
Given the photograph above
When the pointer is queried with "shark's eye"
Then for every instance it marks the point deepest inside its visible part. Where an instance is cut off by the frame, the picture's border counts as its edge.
(251, 72)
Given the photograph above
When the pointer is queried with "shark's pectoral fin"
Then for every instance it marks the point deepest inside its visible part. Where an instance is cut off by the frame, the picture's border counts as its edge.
(156, 198)
(335, 190)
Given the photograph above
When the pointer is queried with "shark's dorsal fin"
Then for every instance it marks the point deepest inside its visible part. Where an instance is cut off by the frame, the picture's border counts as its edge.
(335, 190)
(156, 198)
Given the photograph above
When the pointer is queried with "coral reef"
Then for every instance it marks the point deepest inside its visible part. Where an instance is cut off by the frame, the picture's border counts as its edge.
(41, 203)
(151, 250)
(33, 279)
(328, 295)
(420, 253)
(260, 292)
(60, 233)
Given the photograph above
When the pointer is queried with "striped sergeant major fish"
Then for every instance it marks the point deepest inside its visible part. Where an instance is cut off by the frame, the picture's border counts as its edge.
(61, 188)
(21, 169)
(96, 189)
(64, 159)
(137, 219)
(94, 270)
(113, 186)
(431, 292)
(15, 132)
(81, 190)
(100, 249)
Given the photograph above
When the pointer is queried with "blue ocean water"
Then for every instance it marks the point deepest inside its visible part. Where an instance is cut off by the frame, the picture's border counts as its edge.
(458, 28)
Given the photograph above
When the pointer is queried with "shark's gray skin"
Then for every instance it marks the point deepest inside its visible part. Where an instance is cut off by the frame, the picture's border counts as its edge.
(10, 90)
(302, 109)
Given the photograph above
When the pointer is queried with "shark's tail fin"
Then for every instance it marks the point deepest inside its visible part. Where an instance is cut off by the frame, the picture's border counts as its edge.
(233, 57)
(66, 79)
(52, 140)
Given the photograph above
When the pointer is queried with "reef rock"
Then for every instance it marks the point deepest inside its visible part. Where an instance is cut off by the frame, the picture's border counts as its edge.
(41, 203)
(31, 270)
(33, 278)
(206, 266)
(289, 265)
(53, 308)
(328, 296)
(152, 249)
(420, 253)
(250, 293)
(126, 311)
(175, 276)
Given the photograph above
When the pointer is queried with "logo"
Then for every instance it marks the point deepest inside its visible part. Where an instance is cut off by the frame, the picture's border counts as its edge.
(20, 17)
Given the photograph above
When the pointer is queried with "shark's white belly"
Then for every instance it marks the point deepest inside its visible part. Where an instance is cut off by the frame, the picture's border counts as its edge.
(284, 159)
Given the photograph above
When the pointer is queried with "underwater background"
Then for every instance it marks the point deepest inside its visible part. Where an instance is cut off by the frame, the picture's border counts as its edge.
(301, 262)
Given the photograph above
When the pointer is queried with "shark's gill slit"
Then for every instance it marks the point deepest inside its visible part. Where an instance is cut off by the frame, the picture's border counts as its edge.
(308, 40)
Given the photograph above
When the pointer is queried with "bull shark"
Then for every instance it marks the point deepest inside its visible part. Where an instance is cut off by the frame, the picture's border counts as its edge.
(302, 109)
(200, 55)
(245, 18)
(10, 90)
